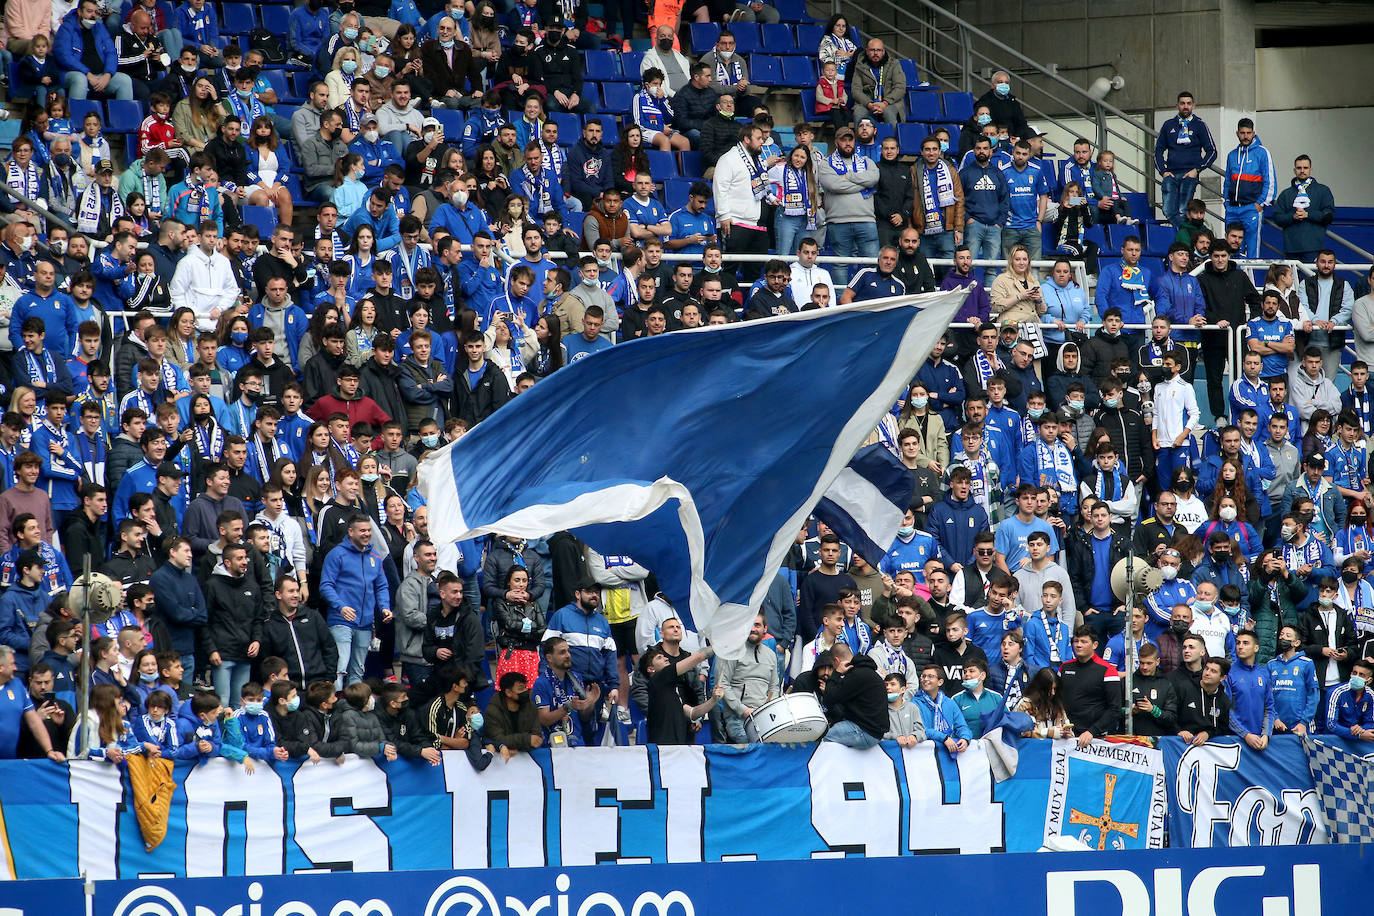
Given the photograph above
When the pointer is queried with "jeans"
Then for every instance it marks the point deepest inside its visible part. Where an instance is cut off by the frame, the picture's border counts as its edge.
(352, 644)
(939, 245)
(789, 230)
(734, 729)
(1177, 191)
(399, 139)
(120, 86)
(1248, 217)
(229, 679)
(852, 240)
(984, 243)
(414, 674)
(188, 668)
(850, 735)
(1105, 623)
(1028, 237)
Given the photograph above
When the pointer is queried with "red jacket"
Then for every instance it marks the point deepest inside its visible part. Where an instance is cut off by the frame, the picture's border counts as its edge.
(359, 410)
(153, 133)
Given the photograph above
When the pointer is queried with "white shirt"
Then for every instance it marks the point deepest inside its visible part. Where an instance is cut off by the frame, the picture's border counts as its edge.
(1175, 410)
(204, 283)
(805, 278)
(1212, 628)
(734, 192)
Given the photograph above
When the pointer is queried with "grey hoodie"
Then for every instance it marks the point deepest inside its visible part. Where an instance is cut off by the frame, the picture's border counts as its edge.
(905, 721)
(845, 201)
(751, 680)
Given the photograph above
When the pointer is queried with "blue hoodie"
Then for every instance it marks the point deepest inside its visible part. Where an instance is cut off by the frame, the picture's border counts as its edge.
(353, 577)
(1251, 688)
(942, 717)
(1296, 691)
(1249, 175)
(590, 642)
(1179, 150)
(987, 196)
(190, 738)
(954, 524)
(181, 603)
(67, 45)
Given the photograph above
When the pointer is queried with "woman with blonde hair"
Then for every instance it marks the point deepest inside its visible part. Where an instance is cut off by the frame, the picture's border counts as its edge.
(1016, 296)
(347, 67)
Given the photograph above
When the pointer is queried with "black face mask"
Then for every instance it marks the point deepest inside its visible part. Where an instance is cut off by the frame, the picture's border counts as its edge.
(1357, 521)
(665, 44)
(1350, 577)
(1220, 557)
(1179, 627)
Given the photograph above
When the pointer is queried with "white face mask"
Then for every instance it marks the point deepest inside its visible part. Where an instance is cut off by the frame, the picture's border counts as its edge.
(428, 137)
(26, 243)
(371, 704)
(460, 198)
(370, 136)
(725, 55)
(1227, 513)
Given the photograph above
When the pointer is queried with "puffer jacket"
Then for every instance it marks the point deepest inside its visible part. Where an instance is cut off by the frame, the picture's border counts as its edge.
(361, 731)
(235, 606)
(751, 680)
(500, 558)
(510, 619)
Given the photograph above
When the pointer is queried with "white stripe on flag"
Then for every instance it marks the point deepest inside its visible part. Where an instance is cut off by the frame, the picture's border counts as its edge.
(870, 509)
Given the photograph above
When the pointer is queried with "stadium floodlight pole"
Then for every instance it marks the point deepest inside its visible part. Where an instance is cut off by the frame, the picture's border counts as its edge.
(1129, 638)
(83, 688)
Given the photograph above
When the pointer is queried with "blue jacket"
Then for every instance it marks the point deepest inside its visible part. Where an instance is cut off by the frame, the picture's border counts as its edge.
(1211, 469)
(1252, 693)
(386, 228)
(354, 578)
(1227, 573)
(942, 717)
(67, 45)
(1344, 709)
(1304, 235)
(1249, 175)
(1296, 691)
(376, 157)
(1177, 150)
(178, 598)
(462, 224)
(945, 383)
(305, 31)
(954, 524)
(986, 629)
(197, 27)
(520, 183)
(1038, 637)
(296, 323)
(113, 283)
(57, 576)
(259, 737)
(59, 477)
(1179, 298)
(587, 172)
(190, 736)
(590, 642)
(194, 205)
(18, 606)
(911, 555)
(59, 321)
(284, 161)
(987, 198)
(481, 127)
(1113, 289)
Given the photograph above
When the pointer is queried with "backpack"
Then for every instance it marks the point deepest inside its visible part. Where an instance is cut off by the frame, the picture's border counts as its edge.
(268, 44)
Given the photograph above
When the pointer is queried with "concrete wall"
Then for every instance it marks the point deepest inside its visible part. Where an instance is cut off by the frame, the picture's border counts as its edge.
(1327, 77)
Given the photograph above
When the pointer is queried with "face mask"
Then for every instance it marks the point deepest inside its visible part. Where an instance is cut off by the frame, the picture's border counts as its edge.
(1350, 576)
(189, 68)
(147, 678)
(430, 441)
(1325, 602)
(725, 55)
(88, 23)
(970, 684)
(906, 531)
(253, 709)
(1288, 532)
(1203, 606)
(920, 403)
(1169, 573)
(382, 72)
(349, 66)
(371, 704)
(26, 243)
(446, 44)
(1357, 521)
(1356, 682)
(589, 281)
(239, 337)
(1111, 402)
(59, 246)
(252, 396)
(370, 136)
(460, 13)
(1076, 406)
(245, 94)
(1035, 412)
(294, 703)
(604, 265)
(666, 44)
(892, 697)
(371, 478)
(1227, 513)
(350, 34)
(1003, 89)
(476, 720)
(984, 120)
(1179, 627)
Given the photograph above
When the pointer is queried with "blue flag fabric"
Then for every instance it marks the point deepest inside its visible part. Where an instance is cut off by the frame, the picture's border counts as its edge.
(865, 504)
(699, 453)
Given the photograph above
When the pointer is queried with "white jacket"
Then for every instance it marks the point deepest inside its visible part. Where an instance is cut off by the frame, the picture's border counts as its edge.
(204, 283)
(805, 278)
(1175, 410)
(733, 191)
(290, 531)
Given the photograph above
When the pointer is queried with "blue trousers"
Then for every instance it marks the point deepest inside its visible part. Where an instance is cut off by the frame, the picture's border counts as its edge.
(1168, 460)
(984, 243)
(352, 644)
(852, 240)
(850, 735)
(1177, 191)
(1248, 217)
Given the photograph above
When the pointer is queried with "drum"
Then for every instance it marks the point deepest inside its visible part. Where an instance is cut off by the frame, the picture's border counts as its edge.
(792, 719)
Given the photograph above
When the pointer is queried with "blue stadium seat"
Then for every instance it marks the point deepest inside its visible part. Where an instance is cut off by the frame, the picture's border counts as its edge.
(1140, 205)
(885, 130)
(778, 39)
(277, 80)
(909, 137)
(1098, 234)
(1158, 238)
(293, 184)
(690, 163)
(1118, 233)
(808, 105)
(765, 70)
(238, 19)
(569, 127)
(264, 218)
(79, 108)
(124, 116)
(792, 11)
(747, 40)
(631, 62)
(913, 76)
(610, 128)
(663, 164)
(300, 84)
(130, 145)
(675, 192)
(616, 97)
(704, 35)
(799, 72)
(809, 38)
(451, 121)
(958, 105)
(923, 106)
(602, 66)
(276, 18)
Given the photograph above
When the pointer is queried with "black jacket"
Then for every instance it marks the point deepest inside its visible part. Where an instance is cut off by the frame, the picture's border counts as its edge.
(305, 728)
(859, 696)
(894, 193)
(83, 538)
(321, 376)
(1149, 534)
(1098, 353)
(1315, 637)
(1229, 295)
(718, 135)
(460, 633)
(560, 68)
(129, 570)
(1083, 565)
(694, 106)
(405, 731)
(1091, 693)
(1131, 436)
(1199, 711)
(235, 608)
(1005, 109)
(383, 385)
(915, 273)
(475, 405)
(1159, 690)
(952, 663)
(304, 641)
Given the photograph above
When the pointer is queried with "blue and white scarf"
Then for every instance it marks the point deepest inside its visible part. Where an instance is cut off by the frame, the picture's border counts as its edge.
(729, 72)
(27, 181)
(796, 196)
(152, 195)
(858, 164)
(348, 451)
(539, 198)
(93, 204)
(40, 367)
(937, 192)
(985, 367)
(1118, 481)
(261, 459)
(1054, 466)
(210, 442)
(757, 184)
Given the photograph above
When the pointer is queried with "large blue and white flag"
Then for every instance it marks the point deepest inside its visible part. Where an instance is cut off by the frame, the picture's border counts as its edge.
(699, 453)
(865, 504)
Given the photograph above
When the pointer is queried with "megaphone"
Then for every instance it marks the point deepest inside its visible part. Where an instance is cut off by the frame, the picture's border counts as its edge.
(96, 595)
(1143, 583)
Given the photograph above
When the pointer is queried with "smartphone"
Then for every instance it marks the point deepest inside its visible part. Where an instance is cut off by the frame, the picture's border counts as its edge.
(49, 697)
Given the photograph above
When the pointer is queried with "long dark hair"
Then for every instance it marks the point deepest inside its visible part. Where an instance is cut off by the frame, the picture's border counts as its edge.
(1041, 696)
(554, 345)
(627, 157)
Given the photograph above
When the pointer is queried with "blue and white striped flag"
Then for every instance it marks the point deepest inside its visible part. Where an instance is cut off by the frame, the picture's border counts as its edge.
(699, 453)
(865, 504)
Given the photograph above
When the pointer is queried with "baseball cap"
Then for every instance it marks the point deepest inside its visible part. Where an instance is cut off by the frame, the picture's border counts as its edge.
(104, 165)
(844, 132)
(170, 469)
(1315, 461)
(1033, 131)
(430, 122)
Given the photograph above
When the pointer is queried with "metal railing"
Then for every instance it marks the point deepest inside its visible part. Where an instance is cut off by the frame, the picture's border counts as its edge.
(925, 24)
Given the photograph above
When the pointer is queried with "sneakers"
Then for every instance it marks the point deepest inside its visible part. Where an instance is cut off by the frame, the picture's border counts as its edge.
(623, 714)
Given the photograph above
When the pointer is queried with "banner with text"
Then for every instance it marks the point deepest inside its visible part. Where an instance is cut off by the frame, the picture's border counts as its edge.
(579, 807)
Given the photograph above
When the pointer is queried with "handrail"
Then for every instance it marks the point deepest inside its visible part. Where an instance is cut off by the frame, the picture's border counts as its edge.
(1098, 106)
